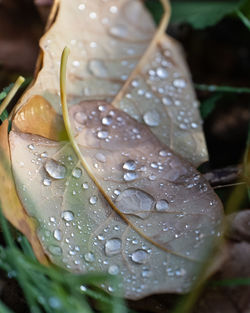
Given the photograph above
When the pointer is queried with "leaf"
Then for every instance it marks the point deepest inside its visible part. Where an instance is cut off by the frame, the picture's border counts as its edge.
(126, 203)
(201, 14)
(209, 105)
(112, 59)
(165, 213)
(10, 203)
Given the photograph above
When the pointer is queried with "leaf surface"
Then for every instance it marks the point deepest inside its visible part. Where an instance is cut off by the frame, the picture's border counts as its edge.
(134, 208)
(118, 56)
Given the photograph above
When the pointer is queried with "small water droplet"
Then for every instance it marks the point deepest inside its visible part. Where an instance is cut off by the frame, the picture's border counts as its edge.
(55, 169)
(55, 250)
(98, 68)
(68, 216)
(140, 256)
(167, 101)
(58, 234)
(162, 73)
(77, 172)
(85, 186)
(92, 15)
(113, 246)
(47, 182)
(162, 205)
(93, 200)
(146, 273)
(80, 117)
(31, 147)
(102, 134)
(89, 257)
(163, 153)
(129, 165)
(113, 270)
(179, 83)
(113, 9)
(130, 176)
(152, 118)
(100, 157)
(81, 6)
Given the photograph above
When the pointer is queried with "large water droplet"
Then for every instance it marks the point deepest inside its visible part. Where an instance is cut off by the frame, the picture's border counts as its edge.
(68, 216)
(162, 205)
(136, 202)
(113, 246)
(140, 256)
(80, 117)
(58, 234)
(130, 176)
(119, 31)
(129, 165)
(55, 169)
(77, 172)
(55, 250)
(89, 257)
(152, 118)
(98, 68)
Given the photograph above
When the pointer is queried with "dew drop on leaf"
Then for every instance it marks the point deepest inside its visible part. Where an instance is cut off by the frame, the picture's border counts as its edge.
(107, 120)
(89, 257)
(130, 176)
(55, 169)
(162, 205)
(98, 68)
(93, 200)
(179, 83)
(129, 165)
(113, 246)
(152, 118)
(140, 256)
(77, 172)
(47, 182)
(58, 234)
(68, 216)
(102, 134)
(55, 250)
(162, 73)
(113, 270)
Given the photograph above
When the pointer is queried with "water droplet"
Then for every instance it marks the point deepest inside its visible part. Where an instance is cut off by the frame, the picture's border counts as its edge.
(68, 216)
(81, 6)
(162, 73)
(77, 172)
(140, 256)
(89, 257)
(55, 250)
(98, 68)
(55, 169)
(107, 120)
(162, 205)
(83, 288)
(85, 186)
(80, 117)
(113, 246)
(119, 31)
(113, 9)
(129, 165)
(93, 200)
(58, 234)
(167, 101)
(135, 201)
(44, 155)
(163, 153)
(194, 125)
(31, 147)
(92, 15)
(152, 118)
(100, 157)
(180, 83)
(146, 273)
(47, 182)
(102, 134)
(130, 176)
(113, 270)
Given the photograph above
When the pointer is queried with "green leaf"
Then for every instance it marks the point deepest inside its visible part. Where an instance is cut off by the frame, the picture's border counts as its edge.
(209, 105)
(245, 20)
(224, 89)
(201, 14)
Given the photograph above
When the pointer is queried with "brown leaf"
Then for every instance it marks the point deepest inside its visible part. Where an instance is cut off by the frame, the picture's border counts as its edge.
(10, 203)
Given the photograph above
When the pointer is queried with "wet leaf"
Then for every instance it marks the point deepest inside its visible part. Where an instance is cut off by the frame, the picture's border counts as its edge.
(118, 56)
(134, 209)
(125, 203)
(10, 203)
